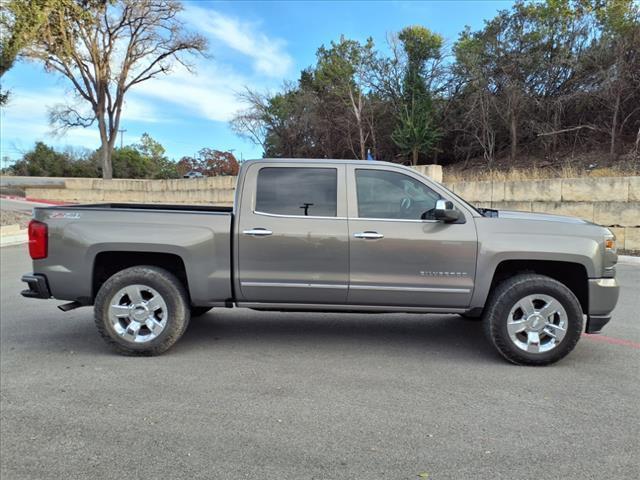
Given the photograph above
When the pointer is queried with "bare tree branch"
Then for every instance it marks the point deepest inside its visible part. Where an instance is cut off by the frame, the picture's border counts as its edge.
(83, 40)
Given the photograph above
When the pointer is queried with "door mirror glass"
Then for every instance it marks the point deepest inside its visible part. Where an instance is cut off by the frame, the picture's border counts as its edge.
(446, 212)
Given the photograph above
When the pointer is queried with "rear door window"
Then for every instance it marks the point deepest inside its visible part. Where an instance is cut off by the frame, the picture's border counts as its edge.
(297, 191)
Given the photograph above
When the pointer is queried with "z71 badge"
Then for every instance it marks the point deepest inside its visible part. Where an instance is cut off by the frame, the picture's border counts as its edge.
(65, 215)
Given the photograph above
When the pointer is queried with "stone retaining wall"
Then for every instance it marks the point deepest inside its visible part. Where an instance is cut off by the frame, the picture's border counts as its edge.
(210, 190)
(612, 201)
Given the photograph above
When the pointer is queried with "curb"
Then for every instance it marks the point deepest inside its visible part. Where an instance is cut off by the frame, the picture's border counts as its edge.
(12, 197)
(34, 200)
(12, 235)
(49, 202)
(9, 240)
(628, 260)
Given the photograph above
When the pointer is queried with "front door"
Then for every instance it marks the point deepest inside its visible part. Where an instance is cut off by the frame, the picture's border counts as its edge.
(400, 255)
(293, 234)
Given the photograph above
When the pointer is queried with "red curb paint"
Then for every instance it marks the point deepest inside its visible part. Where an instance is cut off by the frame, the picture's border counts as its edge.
(611, 340)
(50, 202)
(37, 200)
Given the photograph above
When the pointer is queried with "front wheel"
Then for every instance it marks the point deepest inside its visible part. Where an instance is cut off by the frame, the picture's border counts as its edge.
(142, 310)
(533, 320)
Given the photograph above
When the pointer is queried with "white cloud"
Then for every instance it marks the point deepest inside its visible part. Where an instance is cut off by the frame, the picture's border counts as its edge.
(268, 54)
(27, 116)
(137, 109)
(210, 93)
(25, 119)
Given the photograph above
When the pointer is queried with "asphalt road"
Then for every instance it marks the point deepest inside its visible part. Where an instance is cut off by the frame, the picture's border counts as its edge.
(249, 395)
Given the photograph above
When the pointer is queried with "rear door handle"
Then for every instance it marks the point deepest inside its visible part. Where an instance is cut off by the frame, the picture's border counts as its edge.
(368, 235)
(258, 232)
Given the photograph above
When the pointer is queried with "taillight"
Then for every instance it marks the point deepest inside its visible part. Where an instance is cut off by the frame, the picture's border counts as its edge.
(37, 240)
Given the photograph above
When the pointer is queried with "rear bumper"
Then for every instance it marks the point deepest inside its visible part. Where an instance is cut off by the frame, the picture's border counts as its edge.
(603, 296)
(38, 286)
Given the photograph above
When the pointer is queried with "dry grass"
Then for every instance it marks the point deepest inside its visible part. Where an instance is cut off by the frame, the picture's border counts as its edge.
(592, 163)
(452, 175)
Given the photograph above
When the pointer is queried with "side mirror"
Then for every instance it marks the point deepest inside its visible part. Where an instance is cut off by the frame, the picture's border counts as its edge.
(445, 211)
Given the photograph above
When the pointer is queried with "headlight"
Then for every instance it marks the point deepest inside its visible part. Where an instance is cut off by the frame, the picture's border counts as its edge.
(610, 241)
(610, 256)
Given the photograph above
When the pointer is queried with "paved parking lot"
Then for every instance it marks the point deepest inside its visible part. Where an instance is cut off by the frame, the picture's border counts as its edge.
(311, 396)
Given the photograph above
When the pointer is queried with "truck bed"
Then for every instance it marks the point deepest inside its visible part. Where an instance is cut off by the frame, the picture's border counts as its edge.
(150, 206)
(88, 241)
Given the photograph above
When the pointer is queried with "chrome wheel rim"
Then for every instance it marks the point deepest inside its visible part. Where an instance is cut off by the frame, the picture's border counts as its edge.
(537, 323)
(138, 313)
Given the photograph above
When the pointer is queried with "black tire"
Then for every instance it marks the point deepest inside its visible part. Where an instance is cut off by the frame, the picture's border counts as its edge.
(505, 297)
(198, 311)
(173, 294)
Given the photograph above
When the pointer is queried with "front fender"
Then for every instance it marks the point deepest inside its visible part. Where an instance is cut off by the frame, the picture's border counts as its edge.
(499, 243)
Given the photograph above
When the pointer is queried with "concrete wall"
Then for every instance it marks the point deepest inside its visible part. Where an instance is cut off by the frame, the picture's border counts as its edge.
(217, 190)
(613, 202)
(610, 201)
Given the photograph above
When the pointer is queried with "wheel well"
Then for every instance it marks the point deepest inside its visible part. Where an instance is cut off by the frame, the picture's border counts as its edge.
(572, 275)
(107, 264)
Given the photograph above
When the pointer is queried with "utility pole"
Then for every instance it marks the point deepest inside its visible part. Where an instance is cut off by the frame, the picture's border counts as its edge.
(121, 135)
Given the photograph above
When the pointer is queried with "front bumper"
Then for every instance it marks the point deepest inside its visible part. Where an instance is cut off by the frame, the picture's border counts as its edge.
(603, 296)
(38, 286)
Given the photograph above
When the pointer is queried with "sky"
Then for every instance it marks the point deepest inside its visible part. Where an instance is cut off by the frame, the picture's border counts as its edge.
(251, 44)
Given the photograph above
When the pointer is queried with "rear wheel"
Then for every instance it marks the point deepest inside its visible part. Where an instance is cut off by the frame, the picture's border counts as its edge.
(533, 320)
(142, 310)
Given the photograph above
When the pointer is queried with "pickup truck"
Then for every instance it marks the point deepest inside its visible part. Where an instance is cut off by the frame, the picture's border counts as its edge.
(328, 235)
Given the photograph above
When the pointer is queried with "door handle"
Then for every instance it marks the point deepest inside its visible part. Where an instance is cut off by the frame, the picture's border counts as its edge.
(368, 235)
(258, 232)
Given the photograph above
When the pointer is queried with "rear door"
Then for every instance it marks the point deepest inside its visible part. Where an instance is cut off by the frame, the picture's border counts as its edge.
(400, 255)
(293, 234)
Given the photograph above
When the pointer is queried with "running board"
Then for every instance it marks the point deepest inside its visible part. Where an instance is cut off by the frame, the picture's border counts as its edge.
(69, 306)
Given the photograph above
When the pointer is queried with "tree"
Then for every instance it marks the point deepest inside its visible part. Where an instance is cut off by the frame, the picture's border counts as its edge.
(19, 21)
(209, 162)
(341, 70)
(150, 148)
(416, 132)
(545, 78)
(215, 162)
(104, 48)
(476, 112)
(129, 162)
(185, 165)
(287, 124)
(162, 167)
(619, 58)
(42, 161)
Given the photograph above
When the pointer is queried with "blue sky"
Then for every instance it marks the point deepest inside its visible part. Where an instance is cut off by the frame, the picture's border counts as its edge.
(254, 44)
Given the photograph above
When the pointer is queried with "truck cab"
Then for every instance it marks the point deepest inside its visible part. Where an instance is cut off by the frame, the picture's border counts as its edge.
(359, 234)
